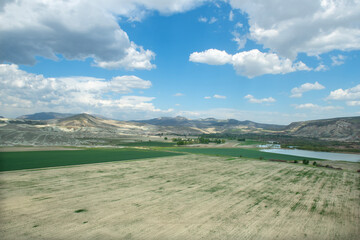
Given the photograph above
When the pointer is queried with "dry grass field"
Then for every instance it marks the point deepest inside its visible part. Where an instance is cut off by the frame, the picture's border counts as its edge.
(181, 197)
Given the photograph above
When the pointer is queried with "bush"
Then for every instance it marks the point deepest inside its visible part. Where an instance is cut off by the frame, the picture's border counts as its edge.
(314, 163)
(305, 161)
(165, 138)
(295, 161)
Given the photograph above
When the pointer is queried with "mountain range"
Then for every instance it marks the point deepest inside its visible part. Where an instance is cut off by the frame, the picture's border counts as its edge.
(77, 129)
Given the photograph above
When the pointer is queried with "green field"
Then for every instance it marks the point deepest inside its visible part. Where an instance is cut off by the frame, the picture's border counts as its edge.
(251, 142)
(237, 152)
(147, 144)
(41, 159)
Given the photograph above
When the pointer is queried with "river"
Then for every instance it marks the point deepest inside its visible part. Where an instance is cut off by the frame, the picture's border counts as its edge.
(321, 155)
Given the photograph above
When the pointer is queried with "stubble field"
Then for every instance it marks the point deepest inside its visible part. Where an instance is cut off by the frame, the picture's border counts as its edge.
(181, 197)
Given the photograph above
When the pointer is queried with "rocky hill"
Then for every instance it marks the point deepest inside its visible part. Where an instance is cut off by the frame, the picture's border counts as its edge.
(345, 129)
(45, 116)
(83, 129)
(219, 125)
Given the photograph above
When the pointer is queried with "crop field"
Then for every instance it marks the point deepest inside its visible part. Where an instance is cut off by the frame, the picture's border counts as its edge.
(189, 196)
(147, 144)
(42, 159)
(251, 142)
(237, 152)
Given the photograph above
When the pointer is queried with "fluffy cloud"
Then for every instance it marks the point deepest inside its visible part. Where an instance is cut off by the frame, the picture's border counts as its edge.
(353, 103)
(212, 20)
(211, 56)
(78, 30)
(352, 95)
(347, 94)
(240, 40)
(298, 91)
(203, 19)
(21, 91)
(136, 58)
(309, 26)
(249, 63)
(252, 99)
(231, 16)
(178, 94)
(137, 9)
(321, 67)
(219, 96)
(315, 107)
(338, 60)
(215, 96)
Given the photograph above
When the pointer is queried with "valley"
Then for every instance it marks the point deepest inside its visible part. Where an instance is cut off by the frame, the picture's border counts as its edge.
(87, 177)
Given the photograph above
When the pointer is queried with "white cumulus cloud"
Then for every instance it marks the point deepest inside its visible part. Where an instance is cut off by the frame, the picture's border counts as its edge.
(240, 40)
(231, 16)
(212, 20)
(252, 99)
(249, 63)
(315, 107)
(298, 91)
(289, 27)
(347, 94)
(211, 56)
(351, 95)
(21, 92)
(219, 96)
(203, 19)
(321, 67)
(78, 30)
(353, 103)
(338, 60)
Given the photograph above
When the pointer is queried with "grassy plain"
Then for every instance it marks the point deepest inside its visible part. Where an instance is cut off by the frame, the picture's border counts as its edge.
(181, 197)
(42, 159)
(148, 144)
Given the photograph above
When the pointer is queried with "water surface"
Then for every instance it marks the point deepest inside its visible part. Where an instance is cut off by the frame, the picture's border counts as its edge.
(321, 155)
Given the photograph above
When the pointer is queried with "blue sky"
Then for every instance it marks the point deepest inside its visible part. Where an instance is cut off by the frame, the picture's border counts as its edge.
(272, 62)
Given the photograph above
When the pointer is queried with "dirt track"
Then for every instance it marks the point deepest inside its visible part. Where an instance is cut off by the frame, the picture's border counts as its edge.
(183, 197)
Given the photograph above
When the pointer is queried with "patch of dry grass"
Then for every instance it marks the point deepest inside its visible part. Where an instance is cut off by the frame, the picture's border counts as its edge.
(182, 197)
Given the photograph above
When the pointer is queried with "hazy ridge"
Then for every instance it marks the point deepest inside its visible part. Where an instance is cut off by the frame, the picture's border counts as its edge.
(62, 129)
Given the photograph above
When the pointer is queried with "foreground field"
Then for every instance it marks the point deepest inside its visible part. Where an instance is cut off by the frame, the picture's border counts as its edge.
(181, 197)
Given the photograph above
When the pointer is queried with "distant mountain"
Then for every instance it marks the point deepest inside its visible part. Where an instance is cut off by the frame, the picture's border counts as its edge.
(168, 121)
(1, 117)
(84, 129)
(45, 116)
(83, 120)
(210, 123)
(346, 128)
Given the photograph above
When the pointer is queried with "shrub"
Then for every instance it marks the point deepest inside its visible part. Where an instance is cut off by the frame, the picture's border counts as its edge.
(305, 161)
(80, 210)
(295, 161)
(314, 163)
